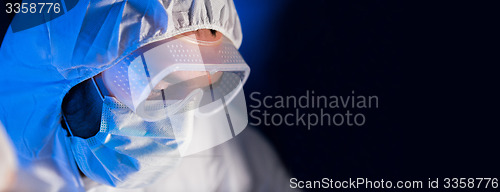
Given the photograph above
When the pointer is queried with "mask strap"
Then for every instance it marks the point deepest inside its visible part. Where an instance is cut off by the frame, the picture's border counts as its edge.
(67, 125)
(97, 88)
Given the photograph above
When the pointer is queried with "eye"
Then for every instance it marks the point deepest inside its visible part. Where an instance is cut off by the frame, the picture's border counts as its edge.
(214, 32)
(205, 35)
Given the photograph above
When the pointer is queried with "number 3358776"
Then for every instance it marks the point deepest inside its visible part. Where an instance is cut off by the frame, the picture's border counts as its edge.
(32, 7)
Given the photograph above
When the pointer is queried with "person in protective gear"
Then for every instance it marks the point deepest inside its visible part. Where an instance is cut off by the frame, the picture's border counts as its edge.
(133, 94)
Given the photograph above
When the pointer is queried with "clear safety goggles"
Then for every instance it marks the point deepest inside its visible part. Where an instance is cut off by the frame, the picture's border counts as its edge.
(197, 84)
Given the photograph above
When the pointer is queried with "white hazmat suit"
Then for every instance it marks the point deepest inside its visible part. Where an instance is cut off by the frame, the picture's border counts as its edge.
(40, 64)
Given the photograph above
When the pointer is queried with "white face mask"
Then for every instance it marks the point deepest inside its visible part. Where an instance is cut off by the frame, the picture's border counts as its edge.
(127, 151)
(130, 151)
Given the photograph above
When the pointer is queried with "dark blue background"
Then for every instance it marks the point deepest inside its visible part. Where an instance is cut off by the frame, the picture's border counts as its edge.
(433, 66)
